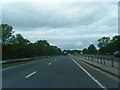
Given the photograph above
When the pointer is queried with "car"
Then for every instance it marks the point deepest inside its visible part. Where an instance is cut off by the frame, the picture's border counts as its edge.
(117, 54)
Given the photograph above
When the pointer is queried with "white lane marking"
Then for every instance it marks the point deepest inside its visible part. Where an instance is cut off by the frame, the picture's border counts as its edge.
(30, 74)
(49, 64)
(55, 60)
(8, 68)
(90, 75)
(19, 65)
(14, 67)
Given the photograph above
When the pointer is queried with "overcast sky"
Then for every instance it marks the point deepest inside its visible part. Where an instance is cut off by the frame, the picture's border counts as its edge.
(68, 25)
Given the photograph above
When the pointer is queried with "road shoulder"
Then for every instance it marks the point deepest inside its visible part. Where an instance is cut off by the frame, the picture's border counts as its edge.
(99, 74)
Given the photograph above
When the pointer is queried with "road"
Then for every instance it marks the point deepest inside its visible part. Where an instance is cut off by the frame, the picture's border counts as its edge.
(56, 72)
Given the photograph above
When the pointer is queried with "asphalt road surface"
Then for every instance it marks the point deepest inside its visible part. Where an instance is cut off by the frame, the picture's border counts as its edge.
(56, 72)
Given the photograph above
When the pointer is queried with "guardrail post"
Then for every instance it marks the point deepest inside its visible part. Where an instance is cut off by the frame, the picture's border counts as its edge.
(101, 59)
(112, 61)
(104, 60)
(92, 58)
(97, 59)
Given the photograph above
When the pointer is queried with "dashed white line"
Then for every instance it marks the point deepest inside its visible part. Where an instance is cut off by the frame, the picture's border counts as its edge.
(90, 75)
(30, 74)
(49, 64)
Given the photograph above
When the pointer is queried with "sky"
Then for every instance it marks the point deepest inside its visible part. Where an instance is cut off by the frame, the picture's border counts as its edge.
(68, 25)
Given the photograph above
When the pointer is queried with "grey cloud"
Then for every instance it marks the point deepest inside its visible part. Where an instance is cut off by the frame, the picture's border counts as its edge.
(73, 43)
(32, 15)
(66, 40)
(67, 25)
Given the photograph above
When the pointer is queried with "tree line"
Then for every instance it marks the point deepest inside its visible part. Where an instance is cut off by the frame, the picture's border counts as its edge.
(16, 46)
(66, 52)
(106, 46)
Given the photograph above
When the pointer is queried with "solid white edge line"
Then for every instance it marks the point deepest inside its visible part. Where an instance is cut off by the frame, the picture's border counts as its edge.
(89, 75)
(19, 65)
(14, 66)
(8, 68)
(30, 74)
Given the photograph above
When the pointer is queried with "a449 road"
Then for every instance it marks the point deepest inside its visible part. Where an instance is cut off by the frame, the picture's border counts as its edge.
(56, 72)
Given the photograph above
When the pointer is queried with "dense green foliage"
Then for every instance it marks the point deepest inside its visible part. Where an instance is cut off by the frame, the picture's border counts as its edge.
(71, 52)
(111, 46)
(106, 46)
(91, 49)
(6, 32)
(16, 46)
(102, 42)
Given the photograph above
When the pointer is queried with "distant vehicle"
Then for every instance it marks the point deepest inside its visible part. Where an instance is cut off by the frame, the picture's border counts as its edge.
(117, 54)
(65, 53)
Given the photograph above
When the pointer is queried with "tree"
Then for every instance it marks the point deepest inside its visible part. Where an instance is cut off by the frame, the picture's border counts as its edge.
(53, 50)
(41, 47)
(7, 32)
(112, 46)
(16, 46)
(85, 51)
(92, 49)
(19, 39)
(102, 42)
(71, 51)
(116, 42)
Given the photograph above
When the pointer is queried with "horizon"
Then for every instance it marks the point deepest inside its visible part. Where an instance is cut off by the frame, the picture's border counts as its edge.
(81, 23)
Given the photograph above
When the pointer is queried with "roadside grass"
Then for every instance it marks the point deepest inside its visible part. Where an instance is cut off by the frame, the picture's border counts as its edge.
(7, 65)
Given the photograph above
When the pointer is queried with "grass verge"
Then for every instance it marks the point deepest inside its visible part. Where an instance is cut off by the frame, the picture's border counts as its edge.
(7, 65)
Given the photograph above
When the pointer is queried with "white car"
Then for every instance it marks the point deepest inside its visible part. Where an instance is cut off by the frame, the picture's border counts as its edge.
(117, 54)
